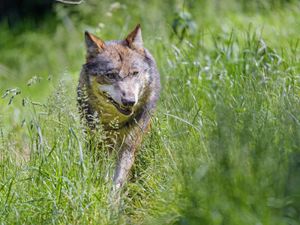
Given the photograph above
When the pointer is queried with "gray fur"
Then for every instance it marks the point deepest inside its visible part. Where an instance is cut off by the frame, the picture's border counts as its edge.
(123, 62)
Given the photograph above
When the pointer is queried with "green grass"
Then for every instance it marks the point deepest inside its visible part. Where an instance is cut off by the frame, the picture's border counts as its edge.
(225, 141)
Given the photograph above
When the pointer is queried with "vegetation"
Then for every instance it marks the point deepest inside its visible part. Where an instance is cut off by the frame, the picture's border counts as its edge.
(224, 145)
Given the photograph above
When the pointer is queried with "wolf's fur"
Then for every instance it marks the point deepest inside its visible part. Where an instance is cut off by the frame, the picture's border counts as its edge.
(119, 83)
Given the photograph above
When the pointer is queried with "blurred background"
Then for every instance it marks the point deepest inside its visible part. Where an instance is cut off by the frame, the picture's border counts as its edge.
(43, 38)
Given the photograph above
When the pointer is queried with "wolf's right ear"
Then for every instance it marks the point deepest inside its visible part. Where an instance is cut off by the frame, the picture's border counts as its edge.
(94, 44)
(134, 39)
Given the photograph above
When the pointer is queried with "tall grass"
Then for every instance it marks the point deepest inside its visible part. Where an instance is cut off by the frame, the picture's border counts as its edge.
(224, 144)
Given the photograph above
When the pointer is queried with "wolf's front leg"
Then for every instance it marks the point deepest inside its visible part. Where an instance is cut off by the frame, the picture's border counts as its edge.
(127, 156)
(128, 150)
(124, 164)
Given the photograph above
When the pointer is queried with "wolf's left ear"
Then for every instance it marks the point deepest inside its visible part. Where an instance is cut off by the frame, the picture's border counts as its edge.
(134, 39)
(94, 44)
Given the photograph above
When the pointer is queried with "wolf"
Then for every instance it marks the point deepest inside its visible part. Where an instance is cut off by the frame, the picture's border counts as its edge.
(120, 85)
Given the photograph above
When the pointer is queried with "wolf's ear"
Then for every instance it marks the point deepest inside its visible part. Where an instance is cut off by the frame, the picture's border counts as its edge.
(94, 44)
(134, 39)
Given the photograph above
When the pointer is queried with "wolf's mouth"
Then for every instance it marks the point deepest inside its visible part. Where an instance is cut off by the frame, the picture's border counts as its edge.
(121, 109)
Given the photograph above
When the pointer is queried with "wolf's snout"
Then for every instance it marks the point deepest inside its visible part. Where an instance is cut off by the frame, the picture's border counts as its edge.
(128, 102)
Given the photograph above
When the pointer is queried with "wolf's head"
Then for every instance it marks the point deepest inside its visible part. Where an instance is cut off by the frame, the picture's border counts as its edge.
(118, 71)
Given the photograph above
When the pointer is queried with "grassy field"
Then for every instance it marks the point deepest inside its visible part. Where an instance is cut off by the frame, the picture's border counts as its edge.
(225, 142)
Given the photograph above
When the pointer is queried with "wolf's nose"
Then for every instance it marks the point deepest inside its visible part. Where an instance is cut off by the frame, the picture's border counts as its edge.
(128, 102)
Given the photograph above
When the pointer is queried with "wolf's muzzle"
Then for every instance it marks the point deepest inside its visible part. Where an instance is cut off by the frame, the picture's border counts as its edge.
(128, 102)
(126, 110)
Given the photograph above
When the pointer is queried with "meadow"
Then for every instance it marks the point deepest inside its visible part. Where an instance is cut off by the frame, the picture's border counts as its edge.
(224, 148)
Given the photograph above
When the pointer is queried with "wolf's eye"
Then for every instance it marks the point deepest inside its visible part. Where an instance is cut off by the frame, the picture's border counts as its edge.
(111, 75)
(134, 73)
